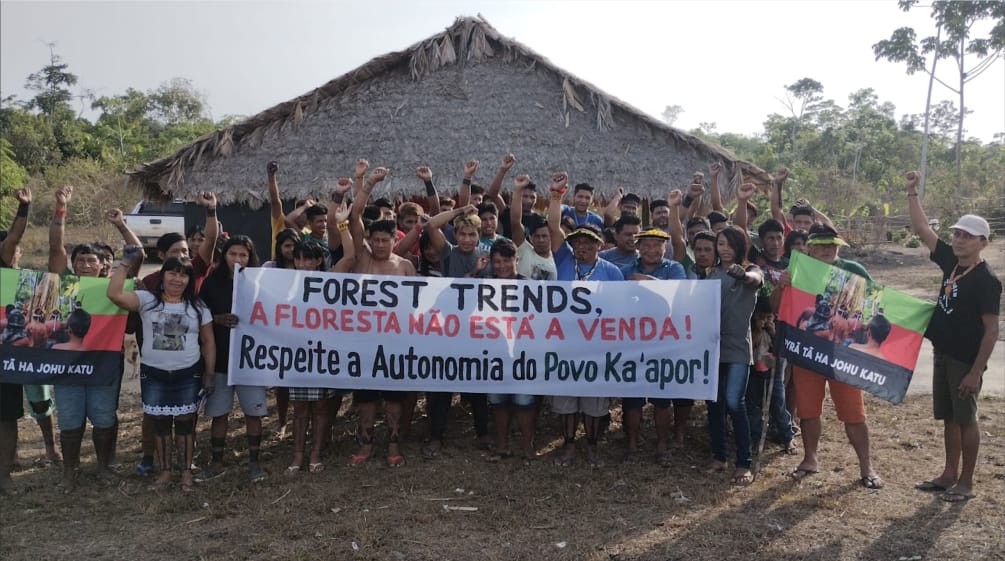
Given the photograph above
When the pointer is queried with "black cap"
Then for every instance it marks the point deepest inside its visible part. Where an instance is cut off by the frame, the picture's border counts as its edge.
(716, 217)
(631, 198)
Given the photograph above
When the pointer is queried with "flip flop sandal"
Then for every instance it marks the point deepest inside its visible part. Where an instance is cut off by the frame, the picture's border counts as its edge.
(799, 474)
(358, 458)
(292, 471)
(956, 496)
(316, 467)
(430, 453)
(872, 481)
(930, 486)
(396, 460)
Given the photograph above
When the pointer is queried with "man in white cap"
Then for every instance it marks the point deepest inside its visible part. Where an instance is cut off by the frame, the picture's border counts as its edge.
(963, 331)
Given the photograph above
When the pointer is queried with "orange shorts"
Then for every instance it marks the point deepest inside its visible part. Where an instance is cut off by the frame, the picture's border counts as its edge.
(810, 397)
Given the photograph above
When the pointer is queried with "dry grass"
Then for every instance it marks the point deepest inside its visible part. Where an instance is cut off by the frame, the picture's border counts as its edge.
(637, 511)
(541, 511)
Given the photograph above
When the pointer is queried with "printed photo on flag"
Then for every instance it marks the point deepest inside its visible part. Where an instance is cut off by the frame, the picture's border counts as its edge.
(843, 326)
(58, 329)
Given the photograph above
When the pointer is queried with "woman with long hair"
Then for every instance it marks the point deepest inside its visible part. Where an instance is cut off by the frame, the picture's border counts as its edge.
(217, 292)
(739, 281)
(178, 333)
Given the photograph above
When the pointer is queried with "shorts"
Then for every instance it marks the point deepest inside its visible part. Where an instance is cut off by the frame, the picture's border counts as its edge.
(312, 394)
(251, 398)
(518, 400)
(947, 374)
(11, 402)
(628, 403)
(38, 394)
(589, 406)
(810, 397)
(370, 396)
(170, 392)
(76, 404)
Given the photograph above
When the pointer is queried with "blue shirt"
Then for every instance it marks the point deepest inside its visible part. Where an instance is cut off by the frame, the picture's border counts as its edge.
(569, 269)
(590, 218)
(618, 257)
(666, 270)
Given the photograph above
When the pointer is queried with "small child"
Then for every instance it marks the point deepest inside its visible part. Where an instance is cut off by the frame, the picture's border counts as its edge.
(762, 334)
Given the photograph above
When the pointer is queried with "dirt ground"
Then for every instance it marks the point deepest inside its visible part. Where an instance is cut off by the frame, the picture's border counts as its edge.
(461, 507)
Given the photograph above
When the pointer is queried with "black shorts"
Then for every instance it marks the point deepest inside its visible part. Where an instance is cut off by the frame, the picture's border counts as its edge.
(11, 402)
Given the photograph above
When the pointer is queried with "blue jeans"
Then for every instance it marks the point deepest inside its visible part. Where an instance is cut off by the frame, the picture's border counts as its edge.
(74, 404)
(732, 390)
(779, 420)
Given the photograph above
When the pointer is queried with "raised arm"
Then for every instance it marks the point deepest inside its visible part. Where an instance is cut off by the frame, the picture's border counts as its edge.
(919, 221)
(520, 182)
(404, 246)
(127, 300)
(464, 191)
(493, 191)
(114, 216)
(296, 219)
(677, 241)
(611, 210)
(335, 239)
(432, 197)
(8, 247)
(777, 182)
(356, 212)
(436, 224)
(339, 220)
(743, 194)
(212, 228)
(693, 200)
(713, 184)
(359, 175)
(556, 190)
(275, 203)
(57, 253)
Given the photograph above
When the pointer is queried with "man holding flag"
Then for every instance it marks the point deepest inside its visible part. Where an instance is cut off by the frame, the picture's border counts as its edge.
(823, 245)
(963, 331)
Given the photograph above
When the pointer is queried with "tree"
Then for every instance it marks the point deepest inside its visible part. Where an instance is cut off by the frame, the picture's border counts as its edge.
(671, 114)
(955, 23)
(51, 85)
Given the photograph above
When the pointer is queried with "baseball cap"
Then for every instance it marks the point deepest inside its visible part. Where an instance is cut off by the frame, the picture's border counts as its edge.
(973, 224)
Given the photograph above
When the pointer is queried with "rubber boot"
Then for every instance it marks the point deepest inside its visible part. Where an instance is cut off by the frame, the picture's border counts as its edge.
(104, 442)
(69, 441)
(8, 451)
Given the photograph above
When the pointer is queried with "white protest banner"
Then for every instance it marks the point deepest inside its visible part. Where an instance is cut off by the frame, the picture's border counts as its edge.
(604, 339)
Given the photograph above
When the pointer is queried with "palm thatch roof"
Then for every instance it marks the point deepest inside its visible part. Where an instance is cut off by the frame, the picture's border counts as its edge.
(467, 92)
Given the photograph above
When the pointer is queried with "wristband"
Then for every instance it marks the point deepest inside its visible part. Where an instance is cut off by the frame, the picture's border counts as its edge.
(22, 210)
(337, 198)
(342, 226)
(688, 199)
(59, 212)
(210, 212)
(360, 177)
(557, 195)
(430, 188)
(912, 194)
(466, 181)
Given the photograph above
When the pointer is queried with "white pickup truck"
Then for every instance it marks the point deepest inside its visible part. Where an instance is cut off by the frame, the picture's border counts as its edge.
(150, 221)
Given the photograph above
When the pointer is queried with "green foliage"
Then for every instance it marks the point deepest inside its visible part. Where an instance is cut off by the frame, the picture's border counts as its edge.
(12, 177)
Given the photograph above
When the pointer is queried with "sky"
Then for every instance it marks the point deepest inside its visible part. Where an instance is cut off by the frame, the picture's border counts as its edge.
(724, 61)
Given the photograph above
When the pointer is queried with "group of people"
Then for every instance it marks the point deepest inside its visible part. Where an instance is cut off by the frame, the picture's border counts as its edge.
(182, 317)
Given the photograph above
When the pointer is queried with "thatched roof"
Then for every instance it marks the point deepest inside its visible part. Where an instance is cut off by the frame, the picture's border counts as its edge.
(467, 92)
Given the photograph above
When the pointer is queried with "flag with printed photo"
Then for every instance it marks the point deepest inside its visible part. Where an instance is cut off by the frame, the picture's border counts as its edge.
(842, 326)
(58, 329)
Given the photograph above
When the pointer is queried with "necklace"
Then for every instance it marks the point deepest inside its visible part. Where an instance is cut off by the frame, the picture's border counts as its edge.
(586, 275)
(955, 276)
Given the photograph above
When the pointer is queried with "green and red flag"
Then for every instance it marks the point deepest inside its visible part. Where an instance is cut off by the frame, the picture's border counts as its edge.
(847, 328)
(58, 329)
